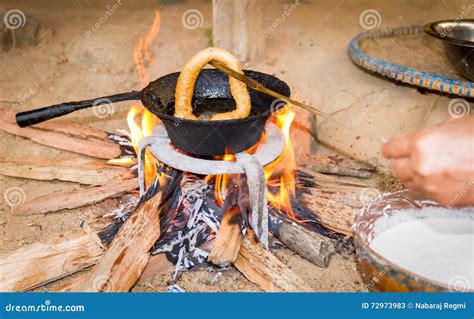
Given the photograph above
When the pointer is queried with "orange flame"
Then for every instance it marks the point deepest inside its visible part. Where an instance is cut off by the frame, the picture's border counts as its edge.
(140, 121)
(142, 53)
(283, 167)
(141, 124)
(220, 188)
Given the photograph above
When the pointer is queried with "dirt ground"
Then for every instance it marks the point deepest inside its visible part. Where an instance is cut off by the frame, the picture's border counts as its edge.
(307, 50)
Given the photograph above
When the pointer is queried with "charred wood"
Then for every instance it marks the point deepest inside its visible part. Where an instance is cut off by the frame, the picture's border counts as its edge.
(308, 244)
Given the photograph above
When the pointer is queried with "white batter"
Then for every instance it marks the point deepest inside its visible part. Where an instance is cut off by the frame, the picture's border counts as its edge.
(439, 247)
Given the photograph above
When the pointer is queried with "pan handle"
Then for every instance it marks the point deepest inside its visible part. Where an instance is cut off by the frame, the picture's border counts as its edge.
(24, 119)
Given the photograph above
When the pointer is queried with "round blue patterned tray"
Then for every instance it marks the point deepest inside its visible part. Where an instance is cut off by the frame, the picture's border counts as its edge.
(407, 55)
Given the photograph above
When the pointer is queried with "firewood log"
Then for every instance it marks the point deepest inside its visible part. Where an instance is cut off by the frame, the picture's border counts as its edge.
(69, 253)
(261, 267)
(340, 166)
(308, 244)
(226, 245)
(127, 256)
(71, 170)
(340, 182)
(69, 200)
(43, 262)
(71, 128)
(330, 213)
(351, 199)
(61, 138)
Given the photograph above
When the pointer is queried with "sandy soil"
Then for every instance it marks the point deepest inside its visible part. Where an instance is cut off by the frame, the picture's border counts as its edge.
(308, 51)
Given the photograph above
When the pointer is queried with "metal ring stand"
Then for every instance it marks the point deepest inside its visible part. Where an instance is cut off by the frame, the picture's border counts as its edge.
(249, 164)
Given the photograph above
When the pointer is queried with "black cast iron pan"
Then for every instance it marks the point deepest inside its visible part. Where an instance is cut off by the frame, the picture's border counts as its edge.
(211, 94)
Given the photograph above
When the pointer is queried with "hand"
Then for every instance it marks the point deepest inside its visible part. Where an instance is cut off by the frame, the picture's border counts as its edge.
(437, 161)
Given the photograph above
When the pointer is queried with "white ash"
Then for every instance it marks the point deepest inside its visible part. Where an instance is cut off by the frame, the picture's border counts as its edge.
(194, 223)
(216, 278)
(124, 132)
(436, 243)
(124, 209)
(124, 139)
(175, 289)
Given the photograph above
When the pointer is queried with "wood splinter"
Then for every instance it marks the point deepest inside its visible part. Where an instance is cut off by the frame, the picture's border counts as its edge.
(341, 166)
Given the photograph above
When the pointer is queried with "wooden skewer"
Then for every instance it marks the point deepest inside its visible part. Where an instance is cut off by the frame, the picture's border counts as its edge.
(259, 87)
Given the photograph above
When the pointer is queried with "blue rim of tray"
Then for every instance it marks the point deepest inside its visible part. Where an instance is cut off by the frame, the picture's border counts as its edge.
(401, 73)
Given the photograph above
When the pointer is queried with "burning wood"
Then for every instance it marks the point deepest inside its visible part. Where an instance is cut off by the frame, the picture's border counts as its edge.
(188, 224)
(69, 200)
(196, 217)
(73, 170)
(263, 275)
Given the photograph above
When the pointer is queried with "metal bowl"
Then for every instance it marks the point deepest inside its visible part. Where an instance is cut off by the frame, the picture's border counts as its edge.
(379, 273)
(457, 38)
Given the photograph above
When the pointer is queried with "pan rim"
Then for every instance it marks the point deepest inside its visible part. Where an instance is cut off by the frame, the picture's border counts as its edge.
(219, 122)
(429, 28)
